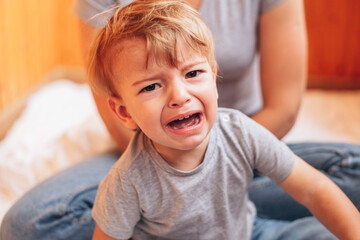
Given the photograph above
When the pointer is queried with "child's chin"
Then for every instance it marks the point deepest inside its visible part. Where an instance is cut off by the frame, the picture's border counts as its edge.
(194, 143)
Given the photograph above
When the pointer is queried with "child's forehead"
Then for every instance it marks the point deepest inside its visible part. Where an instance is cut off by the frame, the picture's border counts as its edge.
(137, 47)
(127, 46)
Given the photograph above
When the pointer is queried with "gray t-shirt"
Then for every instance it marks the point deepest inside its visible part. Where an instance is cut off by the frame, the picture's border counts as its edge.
(234, 24)
(145, 197)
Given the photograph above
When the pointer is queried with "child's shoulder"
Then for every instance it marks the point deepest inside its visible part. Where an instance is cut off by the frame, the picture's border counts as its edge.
(231, 112)
(135, 155)
(232, 117)
(234, 124)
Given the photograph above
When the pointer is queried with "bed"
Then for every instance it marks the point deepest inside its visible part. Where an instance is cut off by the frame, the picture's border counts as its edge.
(38, 138)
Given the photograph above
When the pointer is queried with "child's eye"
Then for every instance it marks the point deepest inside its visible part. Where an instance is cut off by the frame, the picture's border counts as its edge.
(150, 88)
(192, 74)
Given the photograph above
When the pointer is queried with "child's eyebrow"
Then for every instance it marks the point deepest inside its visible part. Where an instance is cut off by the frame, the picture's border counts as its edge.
(192, 64)
(183, 68)
(145, 80)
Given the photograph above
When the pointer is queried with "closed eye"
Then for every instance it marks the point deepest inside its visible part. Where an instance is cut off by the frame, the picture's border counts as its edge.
(150, 88)
(192, 74)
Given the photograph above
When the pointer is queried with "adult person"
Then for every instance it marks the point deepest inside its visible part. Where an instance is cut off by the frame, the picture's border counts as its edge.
(270, 92)
(260, 47)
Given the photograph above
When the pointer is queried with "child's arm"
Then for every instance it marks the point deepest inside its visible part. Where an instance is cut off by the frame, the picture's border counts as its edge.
(324, 199)
(100, 235)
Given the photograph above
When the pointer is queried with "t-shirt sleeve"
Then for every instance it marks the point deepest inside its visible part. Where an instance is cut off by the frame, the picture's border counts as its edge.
(94, 12)
(271, 157)
(116, 208)
(266, 5)
(263, 151)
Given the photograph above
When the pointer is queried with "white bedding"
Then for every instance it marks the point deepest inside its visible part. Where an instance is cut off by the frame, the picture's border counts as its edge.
(60, 126)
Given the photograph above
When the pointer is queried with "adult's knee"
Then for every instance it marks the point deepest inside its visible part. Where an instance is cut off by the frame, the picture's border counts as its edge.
(60, 207)
(66, 218)
(15, 223)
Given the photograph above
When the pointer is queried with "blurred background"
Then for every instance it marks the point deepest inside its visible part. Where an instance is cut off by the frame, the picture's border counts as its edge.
(39, 41)
(37, 38)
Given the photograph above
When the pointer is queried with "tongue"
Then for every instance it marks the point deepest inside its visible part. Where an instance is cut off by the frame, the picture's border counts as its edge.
(188, 122)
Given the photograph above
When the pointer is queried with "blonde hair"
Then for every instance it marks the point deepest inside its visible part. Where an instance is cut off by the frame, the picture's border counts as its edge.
(162, 23)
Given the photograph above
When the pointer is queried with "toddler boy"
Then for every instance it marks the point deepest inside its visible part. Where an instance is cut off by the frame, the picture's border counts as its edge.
(186, 172)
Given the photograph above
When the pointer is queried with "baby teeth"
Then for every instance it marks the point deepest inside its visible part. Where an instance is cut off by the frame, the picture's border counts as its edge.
(183, 118)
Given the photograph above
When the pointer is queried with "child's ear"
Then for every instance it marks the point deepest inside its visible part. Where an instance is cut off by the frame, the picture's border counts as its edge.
(117, 105)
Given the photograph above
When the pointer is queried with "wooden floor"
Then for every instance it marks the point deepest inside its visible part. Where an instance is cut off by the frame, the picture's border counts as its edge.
(331, 115)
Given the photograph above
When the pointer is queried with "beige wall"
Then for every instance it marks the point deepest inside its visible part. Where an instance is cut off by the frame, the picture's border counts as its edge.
(36, 36)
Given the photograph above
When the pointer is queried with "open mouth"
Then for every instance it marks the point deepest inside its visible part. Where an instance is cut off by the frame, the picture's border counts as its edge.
(185, 122)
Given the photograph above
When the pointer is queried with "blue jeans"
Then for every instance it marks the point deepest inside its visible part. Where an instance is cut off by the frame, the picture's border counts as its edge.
(308, 228)
(60, 207)
(340, 162)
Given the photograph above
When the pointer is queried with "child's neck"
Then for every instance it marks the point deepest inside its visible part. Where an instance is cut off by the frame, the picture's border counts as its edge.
(185, 160)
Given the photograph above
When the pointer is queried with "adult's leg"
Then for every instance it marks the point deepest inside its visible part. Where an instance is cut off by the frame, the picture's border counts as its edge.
(340, 162)
(60, 207)
(269, 229)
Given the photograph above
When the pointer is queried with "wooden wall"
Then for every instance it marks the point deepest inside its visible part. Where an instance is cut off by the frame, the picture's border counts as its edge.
(334, 43)
(36, 36)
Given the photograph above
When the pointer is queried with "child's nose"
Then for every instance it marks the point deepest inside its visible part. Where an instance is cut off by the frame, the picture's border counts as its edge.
(179, 95)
